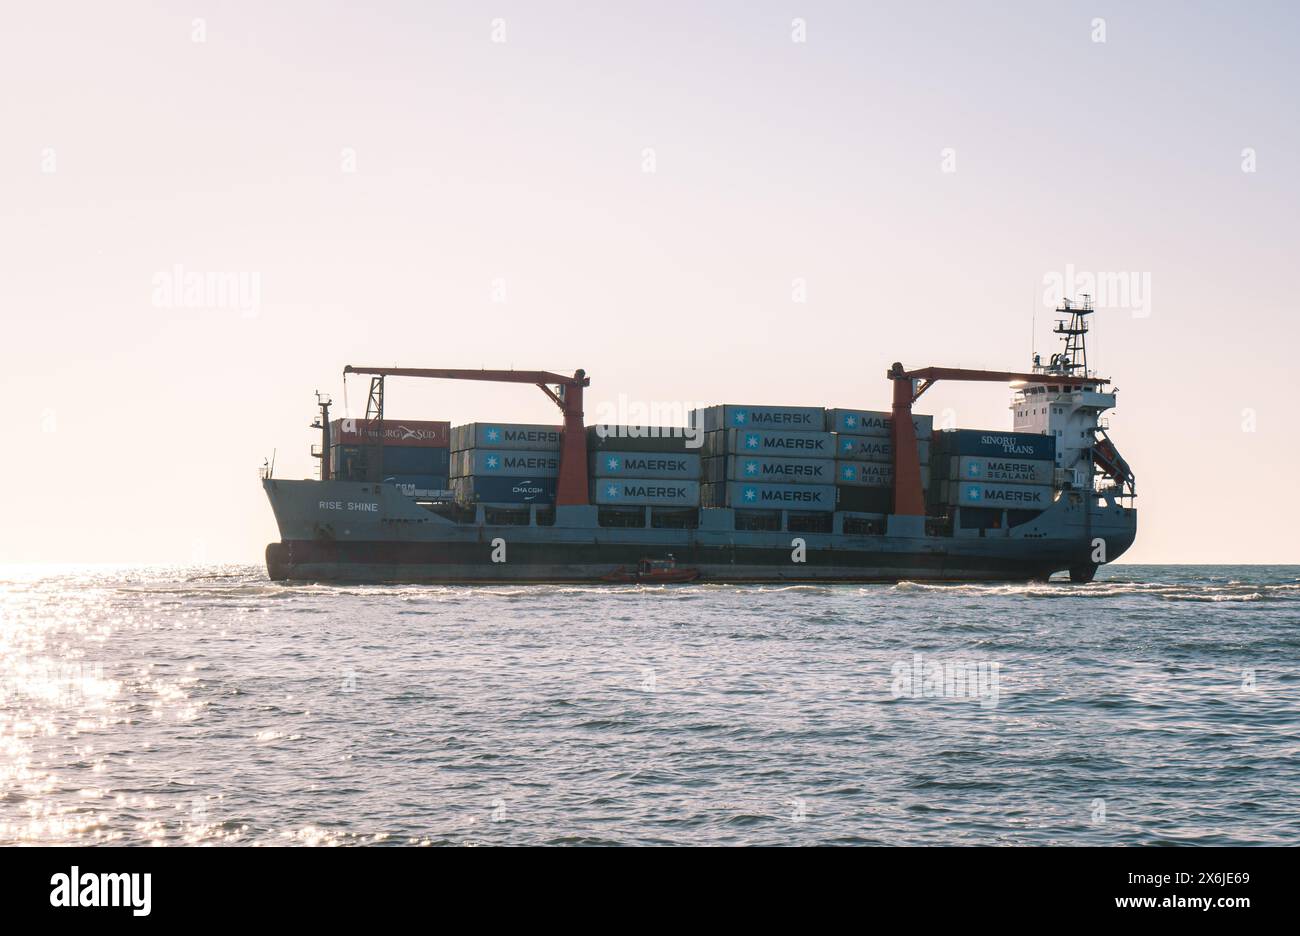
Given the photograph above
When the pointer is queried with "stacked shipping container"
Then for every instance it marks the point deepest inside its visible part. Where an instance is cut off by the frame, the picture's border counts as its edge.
(767, 458)
(981, 470)
(414, 454)
(642, 466)
(504, 464)
(864, 458)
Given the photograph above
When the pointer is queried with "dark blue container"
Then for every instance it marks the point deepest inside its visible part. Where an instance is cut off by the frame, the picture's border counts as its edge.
(999, 444)
(491, 489)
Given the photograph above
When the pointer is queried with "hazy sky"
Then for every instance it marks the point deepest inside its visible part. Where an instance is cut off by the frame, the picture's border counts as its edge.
(393, 183)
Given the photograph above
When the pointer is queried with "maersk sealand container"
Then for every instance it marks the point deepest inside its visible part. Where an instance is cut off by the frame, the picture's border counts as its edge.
(743, 416)
(513, 463)
(781, 470)
(1002, 470)
(505, 436)
(645, 492)
(609, 464)
(873, 423)
(871, 474)
(766, 442)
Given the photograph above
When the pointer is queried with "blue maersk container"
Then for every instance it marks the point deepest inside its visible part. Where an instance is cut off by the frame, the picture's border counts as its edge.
(873, 423)
(1026, 445)
(645, 465)
(767, 470)
(508, 462)
(873, 449)
(1013, 496)
(786, 444)
(505, 435)
(744, 496)
(740, 416)
(639, 492)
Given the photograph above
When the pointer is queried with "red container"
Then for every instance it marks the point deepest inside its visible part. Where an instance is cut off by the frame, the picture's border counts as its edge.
(413, 432)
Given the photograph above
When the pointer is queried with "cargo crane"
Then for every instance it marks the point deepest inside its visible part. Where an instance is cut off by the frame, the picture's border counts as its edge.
(571, 489)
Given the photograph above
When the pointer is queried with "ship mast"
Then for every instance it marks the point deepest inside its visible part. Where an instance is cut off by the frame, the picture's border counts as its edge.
(1072, 361)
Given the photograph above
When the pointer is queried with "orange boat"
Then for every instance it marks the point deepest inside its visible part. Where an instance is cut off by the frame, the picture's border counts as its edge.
(653, 571)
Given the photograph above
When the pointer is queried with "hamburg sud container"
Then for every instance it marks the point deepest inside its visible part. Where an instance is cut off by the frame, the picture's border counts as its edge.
(781, 470)
(649, 492)
(769, 442)
(484, 489)
(508, 462)
(743, 416)
(505, 436)
(872, 423)
(618, 438)
(1002, 470)
(873, 448)
(397, 432)
(608, 464)
(985, 494)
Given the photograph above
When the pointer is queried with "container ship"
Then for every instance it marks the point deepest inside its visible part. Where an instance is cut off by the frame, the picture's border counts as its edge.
(741, 493)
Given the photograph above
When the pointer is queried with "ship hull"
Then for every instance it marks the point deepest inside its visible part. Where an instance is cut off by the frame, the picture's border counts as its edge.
(346, 531)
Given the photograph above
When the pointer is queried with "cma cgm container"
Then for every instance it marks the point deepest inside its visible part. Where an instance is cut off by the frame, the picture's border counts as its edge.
(767, 442)
(502, 490)
(510, 462)
(651, 492)
(618, 438)
(781, 470)
(985, 494)
(873, 448)
(1027, 445)
(818, 497)
(1003, 470)
(872, 423)
(741, 416)
(505, 436)
(871, 474)
(396, 432)
(430, 486)
(645, 465)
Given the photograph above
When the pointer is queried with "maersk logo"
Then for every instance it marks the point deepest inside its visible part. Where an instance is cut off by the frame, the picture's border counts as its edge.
(749, 494)
(491, 463)
(846, 445)
(739, 418)
(848, 473)
(102, 890)
(613, 464)
(851, 421)
(973, 470)
(751, 468)
(974, 493)
(612, 491)
(753, 440)
(492, 434)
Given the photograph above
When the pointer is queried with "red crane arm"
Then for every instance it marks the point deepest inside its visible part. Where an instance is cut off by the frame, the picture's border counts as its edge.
(496, 376)
(928, 375)
(572, 487)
